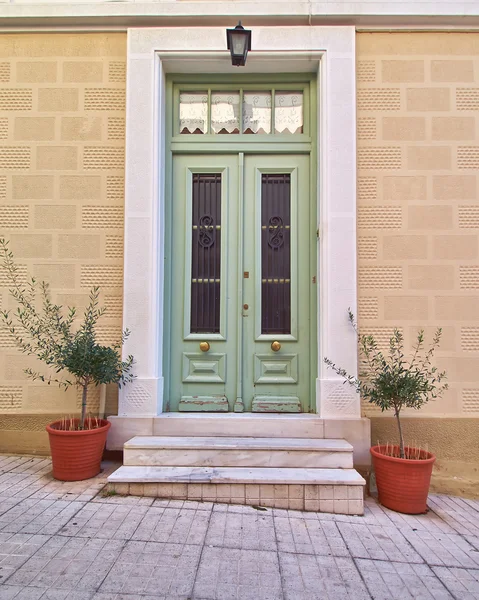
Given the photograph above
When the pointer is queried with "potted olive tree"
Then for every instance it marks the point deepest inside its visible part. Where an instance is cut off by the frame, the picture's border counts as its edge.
(393, 381)
(72, 357)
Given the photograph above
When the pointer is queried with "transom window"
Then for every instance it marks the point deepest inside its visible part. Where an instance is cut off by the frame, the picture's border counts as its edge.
(241, 111)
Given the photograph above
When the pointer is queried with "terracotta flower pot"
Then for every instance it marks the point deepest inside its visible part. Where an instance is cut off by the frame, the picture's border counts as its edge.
(76, 455)
(403, 484)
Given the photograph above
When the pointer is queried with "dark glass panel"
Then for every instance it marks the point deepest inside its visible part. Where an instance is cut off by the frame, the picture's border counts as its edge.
(276, 254)
(206, 254)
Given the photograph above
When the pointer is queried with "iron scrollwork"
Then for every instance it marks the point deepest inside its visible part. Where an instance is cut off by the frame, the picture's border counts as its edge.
(207, 231)
(276, 239)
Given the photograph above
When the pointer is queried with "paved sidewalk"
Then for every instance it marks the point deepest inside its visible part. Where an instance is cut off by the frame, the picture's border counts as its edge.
(63, 541)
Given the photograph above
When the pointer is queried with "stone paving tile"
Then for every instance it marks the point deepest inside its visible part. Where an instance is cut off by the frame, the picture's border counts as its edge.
(173, 525)
(38, 516)
(307, 577)
(16, 549)
(400, 581)
(105, 521)
(462, 583)
(69, 564)
(380, 543)
(450, 550)
(307, 536)
(14, 592)
(153, 568)
(246, 530)
(238, 574)
(459, 514)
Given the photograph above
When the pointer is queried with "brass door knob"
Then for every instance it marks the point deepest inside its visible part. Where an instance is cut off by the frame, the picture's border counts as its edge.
(275, 346)
(204, 346)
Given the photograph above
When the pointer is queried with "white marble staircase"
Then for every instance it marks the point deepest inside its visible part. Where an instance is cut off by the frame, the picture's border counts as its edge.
(259, 465)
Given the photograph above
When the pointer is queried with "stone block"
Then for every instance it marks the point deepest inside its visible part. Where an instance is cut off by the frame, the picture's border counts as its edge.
(311, 492)
(266, 491)
(83, 71)
(399, 247)
(428, 99)
(340, 492)
(341, 507)
(57, 158)
(54, 216)
(454, 187)
(355, 492)
(32, 187)
(150, 490)
(429, 158)
(456, 308)
(36, 72)
(453, 128)
(120, 488)
(81, 128)
(326, 506)
(295, 504)
(80, 187)
(459, 369)
(452, 71)
(311, 505)
(179, 491)
(431, 277)
(355, 507)
(279, 503)
(251, 491)
(448, 337)
(404, 128)
(295, 492)
(59, 276)
(31, 245)
(194, 491)
(208, 491)
(455, 246)
(136, 489)
(58, 99)
(34, 129)
(223, 491)
(103, 157)
(430, 217)
(237, 490)
(402, 71)
(280, 491)
(78, 246)
(404, 187)
(407, 308)
(326, 492)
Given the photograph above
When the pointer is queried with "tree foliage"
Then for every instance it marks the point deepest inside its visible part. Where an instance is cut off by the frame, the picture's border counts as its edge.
(45, 330)
(391, 380)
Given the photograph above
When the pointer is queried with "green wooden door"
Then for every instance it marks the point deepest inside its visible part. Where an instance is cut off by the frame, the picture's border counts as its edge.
(240, 278)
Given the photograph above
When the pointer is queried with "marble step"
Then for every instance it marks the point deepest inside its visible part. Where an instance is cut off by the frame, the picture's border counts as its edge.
(321, 490)
(239, 425)
(237, 452)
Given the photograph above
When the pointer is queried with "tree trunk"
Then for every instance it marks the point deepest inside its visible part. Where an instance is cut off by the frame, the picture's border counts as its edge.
(83, 405)
(401, 439)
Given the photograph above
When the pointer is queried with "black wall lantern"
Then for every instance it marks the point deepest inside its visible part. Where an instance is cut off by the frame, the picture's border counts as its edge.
(239, 42)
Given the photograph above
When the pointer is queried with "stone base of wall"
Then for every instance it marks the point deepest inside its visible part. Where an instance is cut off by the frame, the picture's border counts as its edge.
(453, 441)
(339, 499)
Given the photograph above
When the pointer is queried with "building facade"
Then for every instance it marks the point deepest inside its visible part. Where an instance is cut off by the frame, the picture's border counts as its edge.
(135, 157)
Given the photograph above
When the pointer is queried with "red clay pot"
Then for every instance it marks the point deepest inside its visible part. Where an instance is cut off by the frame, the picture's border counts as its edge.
(403, 484)
(76, 455)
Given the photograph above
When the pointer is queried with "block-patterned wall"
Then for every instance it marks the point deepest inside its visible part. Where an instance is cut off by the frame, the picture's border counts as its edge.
(62, 123)
(418, 199)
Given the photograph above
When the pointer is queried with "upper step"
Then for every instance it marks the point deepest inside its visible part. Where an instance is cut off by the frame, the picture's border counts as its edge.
(238, 452)
(239, 425)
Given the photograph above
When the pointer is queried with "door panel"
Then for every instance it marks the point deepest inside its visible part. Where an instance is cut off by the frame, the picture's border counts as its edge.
(277, 325)
(203, 306)
(240, 280)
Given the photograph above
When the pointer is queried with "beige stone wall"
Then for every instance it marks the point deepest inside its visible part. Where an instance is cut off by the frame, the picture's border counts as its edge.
(418, 199)
(62, 122)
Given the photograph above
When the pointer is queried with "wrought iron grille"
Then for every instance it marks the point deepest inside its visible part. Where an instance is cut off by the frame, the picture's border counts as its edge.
(206, 253)
(276, 253)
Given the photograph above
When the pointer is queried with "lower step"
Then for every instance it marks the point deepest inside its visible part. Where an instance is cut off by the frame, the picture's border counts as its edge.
(338, 491)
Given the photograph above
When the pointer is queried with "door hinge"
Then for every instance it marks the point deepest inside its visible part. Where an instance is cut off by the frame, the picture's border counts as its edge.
(317, 233)
(313, 279)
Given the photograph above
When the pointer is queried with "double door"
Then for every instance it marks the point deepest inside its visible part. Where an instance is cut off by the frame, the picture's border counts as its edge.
(240, 275)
